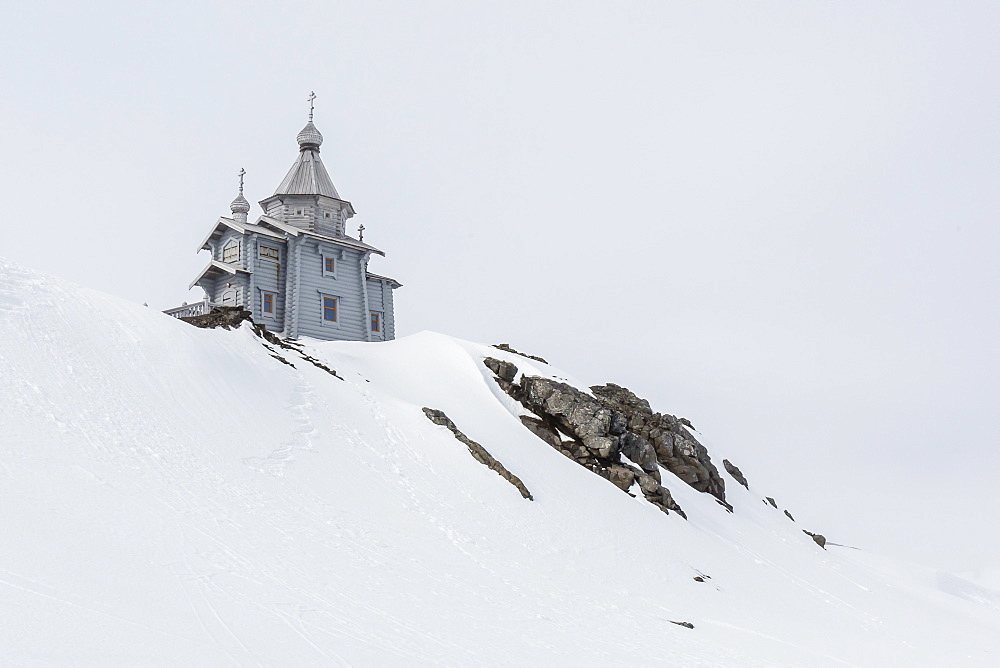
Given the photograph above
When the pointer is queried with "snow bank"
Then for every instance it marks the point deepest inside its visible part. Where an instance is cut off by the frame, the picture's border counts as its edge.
(173, 495)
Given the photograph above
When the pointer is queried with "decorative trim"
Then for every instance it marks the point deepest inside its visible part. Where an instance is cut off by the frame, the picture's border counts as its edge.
(322, 310)
(294, 278)
(364, 294)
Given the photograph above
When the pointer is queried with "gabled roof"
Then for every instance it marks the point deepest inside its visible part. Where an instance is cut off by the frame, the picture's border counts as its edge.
(296, 231)
(215, 269)
(242, 228)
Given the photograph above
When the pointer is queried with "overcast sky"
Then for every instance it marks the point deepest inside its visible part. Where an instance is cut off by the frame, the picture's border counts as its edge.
(778, 219)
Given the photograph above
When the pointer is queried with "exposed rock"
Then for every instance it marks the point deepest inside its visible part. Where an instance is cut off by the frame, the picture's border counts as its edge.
(637, 449)
(771, 501)
(698, 578)
(597, 436)
(507, 349)
(542, 431)
(677, 450)
(477, 451)
(734, 471)
(657, 494)
(621, 476)
(789, 515)
(293, 346)
(819, 538)
(687, 625)
(226, 317)
(504, 370)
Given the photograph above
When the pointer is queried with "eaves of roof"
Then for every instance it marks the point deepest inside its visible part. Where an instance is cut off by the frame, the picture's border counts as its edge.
(297, 231)
(393, 281)
(238, 227)
(221, 222)
(217, 268)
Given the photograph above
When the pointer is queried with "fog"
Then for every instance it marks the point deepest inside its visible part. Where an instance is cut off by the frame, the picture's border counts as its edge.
(777, 220)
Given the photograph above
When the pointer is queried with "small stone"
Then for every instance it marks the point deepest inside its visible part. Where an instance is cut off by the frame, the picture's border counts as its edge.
(818, 538)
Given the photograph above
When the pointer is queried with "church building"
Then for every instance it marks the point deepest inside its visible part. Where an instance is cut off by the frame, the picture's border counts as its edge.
(295, 267)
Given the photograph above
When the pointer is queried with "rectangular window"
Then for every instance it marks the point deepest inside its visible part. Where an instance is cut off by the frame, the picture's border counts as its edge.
(268, 253)
(329, 309)
(268, 302)
(231, 253)
(376, 322)
(328, 265)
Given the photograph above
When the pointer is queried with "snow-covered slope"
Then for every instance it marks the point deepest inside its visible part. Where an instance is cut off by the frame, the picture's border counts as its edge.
(171, 495)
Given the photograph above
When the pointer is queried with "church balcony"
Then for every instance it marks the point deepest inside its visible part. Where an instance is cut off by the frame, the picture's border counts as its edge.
(186, 310)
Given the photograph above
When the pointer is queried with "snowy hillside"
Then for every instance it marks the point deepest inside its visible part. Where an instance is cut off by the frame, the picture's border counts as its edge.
(179, 496)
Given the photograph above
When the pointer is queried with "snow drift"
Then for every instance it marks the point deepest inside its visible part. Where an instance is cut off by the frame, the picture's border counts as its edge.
(174, 495)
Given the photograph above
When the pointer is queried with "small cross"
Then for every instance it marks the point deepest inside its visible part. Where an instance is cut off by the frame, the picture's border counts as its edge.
(242, 172)
(361, 232)
(312, 96)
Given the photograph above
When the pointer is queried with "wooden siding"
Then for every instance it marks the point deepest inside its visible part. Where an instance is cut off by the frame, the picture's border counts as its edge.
(297, 281)
(352, 317)
(325, 216)
(375, 300)
(375, 305)
(269, 276)
(390, 311)
(238, 284)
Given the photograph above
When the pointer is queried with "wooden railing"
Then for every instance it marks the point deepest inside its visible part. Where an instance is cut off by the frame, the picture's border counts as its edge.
(185, 310)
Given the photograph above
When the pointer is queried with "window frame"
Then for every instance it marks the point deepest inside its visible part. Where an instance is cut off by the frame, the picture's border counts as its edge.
(375, 318)
(262, 256)
(324, 258)
(323, 296)
(267, 299)
(230, 245)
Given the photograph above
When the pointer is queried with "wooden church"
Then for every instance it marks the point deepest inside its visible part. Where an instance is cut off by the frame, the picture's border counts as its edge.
(295, 267)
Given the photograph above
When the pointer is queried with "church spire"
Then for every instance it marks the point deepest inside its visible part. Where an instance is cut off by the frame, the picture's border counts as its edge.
(310, 138)
(240, 206)
(308, 176)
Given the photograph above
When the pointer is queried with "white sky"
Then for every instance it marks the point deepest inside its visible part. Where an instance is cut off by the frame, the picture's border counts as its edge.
(776, 219)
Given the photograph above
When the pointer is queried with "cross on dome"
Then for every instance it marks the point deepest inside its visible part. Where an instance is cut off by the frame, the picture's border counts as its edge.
(240, 206)
(310, 138)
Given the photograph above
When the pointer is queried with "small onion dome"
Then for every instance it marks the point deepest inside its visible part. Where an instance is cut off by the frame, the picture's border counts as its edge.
(240, 205)
(310, 137)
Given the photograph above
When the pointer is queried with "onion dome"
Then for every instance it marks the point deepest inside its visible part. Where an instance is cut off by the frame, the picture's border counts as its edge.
(240, 205)
(309, 138)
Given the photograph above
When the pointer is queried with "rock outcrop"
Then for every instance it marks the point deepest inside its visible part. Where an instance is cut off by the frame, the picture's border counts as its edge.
(735, 471)
(507, 349)
(584, 429)
(226, 317)
(675, 448)
(478, 452)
